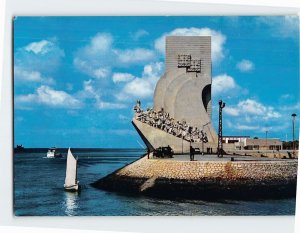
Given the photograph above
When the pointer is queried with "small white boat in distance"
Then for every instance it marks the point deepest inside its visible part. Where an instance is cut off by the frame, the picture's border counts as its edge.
(52, 153)
(71, 182)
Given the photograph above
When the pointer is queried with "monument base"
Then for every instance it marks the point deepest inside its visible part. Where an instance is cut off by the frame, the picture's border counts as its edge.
(204, 179)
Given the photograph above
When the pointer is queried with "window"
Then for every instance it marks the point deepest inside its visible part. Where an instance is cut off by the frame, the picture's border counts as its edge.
(233, 141)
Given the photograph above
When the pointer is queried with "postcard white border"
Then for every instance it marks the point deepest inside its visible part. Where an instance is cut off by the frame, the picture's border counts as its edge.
(120, 224)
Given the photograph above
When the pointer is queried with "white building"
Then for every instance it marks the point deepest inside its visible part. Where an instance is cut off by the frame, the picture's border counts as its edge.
(247, 143)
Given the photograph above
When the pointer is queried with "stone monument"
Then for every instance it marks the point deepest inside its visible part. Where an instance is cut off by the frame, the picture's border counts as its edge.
(181, 114)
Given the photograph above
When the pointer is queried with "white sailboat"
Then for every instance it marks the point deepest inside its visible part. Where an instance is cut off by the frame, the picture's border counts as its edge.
(71, 182)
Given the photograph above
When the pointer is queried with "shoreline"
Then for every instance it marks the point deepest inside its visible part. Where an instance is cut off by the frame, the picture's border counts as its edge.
(239, 180)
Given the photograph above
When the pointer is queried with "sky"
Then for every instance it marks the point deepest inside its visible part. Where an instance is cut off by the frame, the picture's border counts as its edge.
(76, 79)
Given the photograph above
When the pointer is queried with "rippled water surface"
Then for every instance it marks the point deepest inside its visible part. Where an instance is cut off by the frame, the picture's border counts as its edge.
(39, 190)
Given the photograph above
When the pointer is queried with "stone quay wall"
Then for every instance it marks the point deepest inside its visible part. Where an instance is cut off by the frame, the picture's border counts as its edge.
(194, 170)
(205, 179)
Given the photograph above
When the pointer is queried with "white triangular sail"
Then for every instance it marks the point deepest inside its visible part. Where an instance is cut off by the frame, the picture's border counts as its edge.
(71, 171)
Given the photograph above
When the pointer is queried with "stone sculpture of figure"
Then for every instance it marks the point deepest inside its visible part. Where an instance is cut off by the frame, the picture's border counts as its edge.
(201, 135)
(193, 134)
(150, 113)
(197, 135)
(178, 129)
(163, 121)
(167, 125)
(142, 116)
(148, 119)
(189, 133)
(152, 122)
(156, 120)
(137, 107)
(205, 138)
(158, 125)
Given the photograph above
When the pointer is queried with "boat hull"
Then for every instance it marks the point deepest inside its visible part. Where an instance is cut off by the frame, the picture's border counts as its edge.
(50, 155)
(53, 156)
(72, 188)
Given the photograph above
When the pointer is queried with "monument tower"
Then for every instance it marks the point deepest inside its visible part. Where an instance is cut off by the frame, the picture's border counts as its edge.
(181, 114)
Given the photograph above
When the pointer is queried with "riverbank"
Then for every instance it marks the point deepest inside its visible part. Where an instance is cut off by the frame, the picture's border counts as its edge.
(205, 179)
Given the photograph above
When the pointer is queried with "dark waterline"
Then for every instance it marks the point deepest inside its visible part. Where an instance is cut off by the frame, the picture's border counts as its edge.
(39, 190)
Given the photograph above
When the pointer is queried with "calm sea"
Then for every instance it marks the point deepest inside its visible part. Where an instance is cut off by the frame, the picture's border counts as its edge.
(39, 181)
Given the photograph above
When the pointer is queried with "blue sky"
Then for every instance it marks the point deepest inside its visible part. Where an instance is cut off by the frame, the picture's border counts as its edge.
(76, 79)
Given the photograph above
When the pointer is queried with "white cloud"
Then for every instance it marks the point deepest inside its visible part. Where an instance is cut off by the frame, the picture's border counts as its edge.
(25, 98)
(21, 74)
(47, 96)
(153, 70)
(94, 59)
(40, 47)
(37, 62)
(101, 72)
(246, 127)
(291, 108)
(222, 84)
(218, 40)
(283, 26)
(250, 107)
(144, 86)
(99, 56)
(245, 65)
(251, 115)
(136, 55)
(91, 69)
(138, 34)
(52, 97)
(122, 77)
(139, 87)
(256, 108)
(89, 92)
(231, 111)
(109, 105)
(101, 42)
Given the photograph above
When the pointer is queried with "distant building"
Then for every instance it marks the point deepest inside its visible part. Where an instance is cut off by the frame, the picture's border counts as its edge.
(247, 143)
(263, 144)
(235, 142)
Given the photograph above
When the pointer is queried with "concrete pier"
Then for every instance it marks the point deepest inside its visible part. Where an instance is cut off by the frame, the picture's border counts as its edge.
(207, 178)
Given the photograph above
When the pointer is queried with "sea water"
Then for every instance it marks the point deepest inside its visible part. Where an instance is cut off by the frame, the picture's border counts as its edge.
(39, 181)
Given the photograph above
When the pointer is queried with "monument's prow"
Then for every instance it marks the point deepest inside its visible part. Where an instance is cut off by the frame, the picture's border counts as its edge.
(182, 98)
